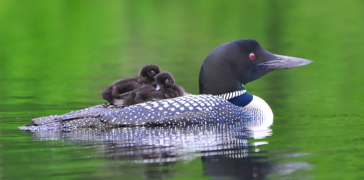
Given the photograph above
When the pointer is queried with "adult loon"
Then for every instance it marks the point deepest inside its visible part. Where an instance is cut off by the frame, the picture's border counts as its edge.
(165, 88)
(114, 93)
(222, 97)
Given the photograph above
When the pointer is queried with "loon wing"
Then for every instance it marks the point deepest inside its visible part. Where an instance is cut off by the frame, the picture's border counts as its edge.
(189, 109)
(93, 111)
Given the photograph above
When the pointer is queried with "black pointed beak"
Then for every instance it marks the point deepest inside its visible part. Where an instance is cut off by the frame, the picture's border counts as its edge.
(284, 62)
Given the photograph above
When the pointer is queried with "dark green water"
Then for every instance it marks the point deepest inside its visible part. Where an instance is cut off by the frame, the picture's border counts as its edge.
(57, 56)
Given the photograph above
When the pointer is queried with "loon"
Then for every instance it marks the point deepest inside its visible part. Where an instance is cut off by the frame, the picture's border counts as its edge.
(166, 83)
(165, 88)
(117, 90)
(223, 98)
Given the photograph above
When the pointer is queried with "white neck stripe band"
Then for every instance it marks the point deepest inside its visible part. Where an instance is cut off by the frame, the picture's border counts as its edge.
(231, 95)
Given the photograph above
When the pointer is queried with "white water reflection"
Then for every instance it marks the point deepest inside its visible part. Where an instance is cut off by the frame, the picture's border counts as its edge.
(223, 148)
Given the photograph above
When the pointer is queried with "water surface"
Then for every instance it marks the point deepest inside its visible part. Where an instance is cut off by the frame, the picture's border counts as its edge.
(57, 56)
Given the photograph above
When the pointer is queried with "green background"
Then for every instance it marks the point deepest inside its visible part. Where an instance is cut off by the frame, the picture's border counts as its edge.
(58, 55)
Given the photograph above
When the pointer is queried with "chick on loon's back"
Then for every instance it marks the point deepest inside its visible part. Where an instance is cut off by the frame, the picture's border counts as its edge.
(165, 88)
(114, 92)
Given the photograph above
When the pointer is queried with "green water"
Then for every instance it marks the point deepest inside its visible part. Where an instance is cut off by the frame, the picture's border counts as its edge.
(57, 56)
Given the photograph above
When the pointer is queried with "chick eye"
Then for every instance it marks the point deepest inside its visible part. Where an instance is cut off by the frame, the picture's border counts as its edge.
(252, 56)
(167, 81)
(152, 72)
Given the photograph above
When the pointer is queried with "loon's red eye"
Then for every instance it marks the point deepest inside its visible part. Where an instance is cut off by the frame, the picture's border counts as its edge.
(252, 56)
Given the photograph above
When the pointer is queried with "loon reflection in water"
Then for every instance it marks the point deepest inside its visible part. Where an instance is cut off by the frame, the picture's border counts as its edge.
(223, 98)
(223, 148)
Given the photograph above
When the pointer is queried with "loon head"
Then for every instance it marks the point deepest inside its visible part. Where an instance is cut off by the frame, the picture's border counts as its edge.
(149, 71)
(164, 80)
(233, 64)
